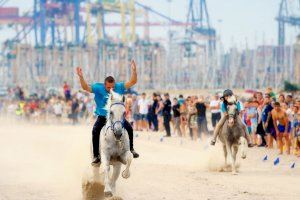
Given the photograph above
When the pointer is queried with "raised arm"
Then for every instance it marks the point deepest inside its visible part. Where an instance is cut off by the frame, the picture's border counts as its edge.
(83, 83)
(133, 78)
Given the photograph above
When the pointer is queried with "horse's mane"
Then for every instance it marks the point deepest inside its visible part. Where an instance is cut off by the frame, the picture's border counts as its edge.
(113, 97)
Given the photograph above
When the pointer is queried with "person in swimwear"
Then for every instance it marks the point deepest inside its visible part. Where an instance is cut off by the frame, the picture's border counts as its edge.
(282, 127)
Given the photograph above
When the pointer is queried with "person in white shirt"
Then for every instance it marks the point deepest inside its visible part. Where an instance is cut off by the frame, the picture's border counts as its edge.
(143, 107)
(58, 109)
(215, 110)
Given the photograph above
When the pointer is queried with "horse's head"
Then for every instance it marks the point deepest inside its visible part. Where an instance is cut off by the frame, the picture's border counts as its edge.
(232, 113)
(116, 114)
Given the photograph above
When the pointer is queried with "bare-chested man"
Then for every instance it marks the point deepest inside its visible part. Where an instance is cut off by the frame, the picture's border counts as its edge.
(282, 127)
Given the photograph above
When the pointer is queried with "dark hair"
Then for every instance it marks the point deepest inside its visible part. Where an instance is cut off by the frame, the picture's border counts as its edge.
(276, 103)
(109, 79)
(180, 96)
(166, 94)
(175, 99)
(154, 94)
(143, 93)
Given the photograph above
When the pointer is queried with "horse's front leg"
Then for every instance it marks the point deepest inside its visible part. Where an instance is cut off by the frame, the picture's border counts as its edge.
(225, 155)
(229, 151)
(128, 157)
(235, 151)
(115, 176)
(106, 167)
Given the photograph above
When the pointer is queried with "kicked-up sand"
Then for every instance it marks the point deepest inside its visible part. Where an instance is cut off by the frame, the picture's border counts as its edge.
(47, 162)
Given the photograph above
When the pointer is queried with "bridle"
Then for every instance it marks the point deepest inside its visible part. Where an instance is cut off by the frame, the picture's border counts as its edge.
(113, 123)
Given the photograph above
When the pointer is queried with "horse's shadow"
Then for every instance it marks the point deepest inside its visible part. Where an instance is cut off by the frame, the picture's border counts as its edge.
(93, 185)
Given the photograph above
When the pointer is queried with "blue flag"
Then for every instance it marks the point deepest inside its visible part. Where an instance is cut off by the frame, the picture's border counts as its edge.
(265, 158)
(293, 165)
(161, 139)
(276, 162)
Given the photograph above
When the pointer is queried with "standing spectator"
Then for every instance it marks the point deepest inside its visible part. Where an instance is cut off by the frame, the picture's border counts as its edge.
(201, 117)
(282, 127)
(152, 112)
(260, 130)
(128, 108)
(271, 93)
(180, 100)
(192, 118)
(143, 111)
(159, 113)
(260, 99)
(176, 115)
(58, 110)
(268, 121)
(281, 99)
(252, 115)
(289, 100)
(67, 91)
(135, 113)
(75, 111)
(183, 118)
(167, 114)
(215, 110)
(296, 133)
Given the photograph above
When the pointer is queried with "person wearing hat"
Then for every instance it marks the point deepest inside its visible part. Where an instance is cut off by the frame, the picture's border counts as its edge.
(228, 97)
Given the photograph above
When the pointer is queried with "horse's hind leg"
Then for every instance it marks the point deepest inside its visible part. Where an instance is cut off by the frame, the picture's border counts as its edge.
(115, 176)
(128, 157)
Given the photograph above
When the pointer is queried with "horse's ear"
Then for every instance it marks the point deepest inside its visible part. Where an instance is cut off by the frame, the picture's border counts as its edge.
(123, 99)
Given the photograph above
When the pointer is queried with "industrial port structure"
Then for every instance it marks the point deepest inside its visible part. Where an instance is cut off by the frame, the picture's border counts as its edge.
(71, 33)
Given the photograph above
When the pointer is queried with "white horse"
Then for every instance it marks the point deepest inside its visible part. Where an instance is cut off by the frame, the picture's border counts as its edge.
(114, 143)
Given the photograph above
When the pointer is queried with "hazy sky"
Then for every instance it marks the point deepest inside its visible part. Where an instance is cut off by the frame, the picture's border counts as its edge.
(236, 21)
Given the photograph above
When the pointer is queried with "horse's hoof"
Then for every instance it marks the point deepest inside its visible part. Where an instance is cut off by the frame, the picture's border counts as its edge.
(244, 157)
(126, 174)
(108, 194)
(234, 173)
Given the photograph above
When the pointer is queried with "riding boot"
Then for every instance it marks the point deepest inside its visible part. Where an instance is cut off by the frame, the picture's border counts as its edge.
(129, 130)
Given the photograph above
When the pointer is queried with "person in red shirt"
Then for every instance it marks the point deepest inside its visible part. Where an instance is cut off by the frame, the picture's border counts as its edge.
(67, 91)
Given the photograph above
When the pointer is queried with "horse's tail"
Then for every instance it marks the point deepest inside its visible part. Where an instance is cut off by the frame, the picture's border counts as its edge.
(243, 146)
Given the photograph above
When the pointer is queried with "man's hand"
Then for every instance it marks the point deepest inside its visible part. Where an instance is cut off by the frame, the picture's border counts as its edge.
(133, 79)
(83, 83)
(79, 71)
(133, 66)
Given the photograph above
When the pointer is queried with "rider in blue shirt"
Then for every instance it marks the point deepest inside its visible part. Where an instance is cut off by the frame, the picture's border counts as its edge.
(226, 95)
(101, 92)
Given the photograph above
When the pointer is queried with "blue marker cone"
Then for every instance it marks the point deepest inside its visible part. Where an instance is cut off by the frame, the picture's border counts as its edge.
(293, 165)
(161, 139)
(276, 162)
(136, 135)
(265, 158)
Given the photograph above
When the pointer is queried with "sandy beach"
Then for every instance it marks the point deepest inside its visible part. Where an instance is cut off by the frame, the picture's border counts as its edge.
(46, 162)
